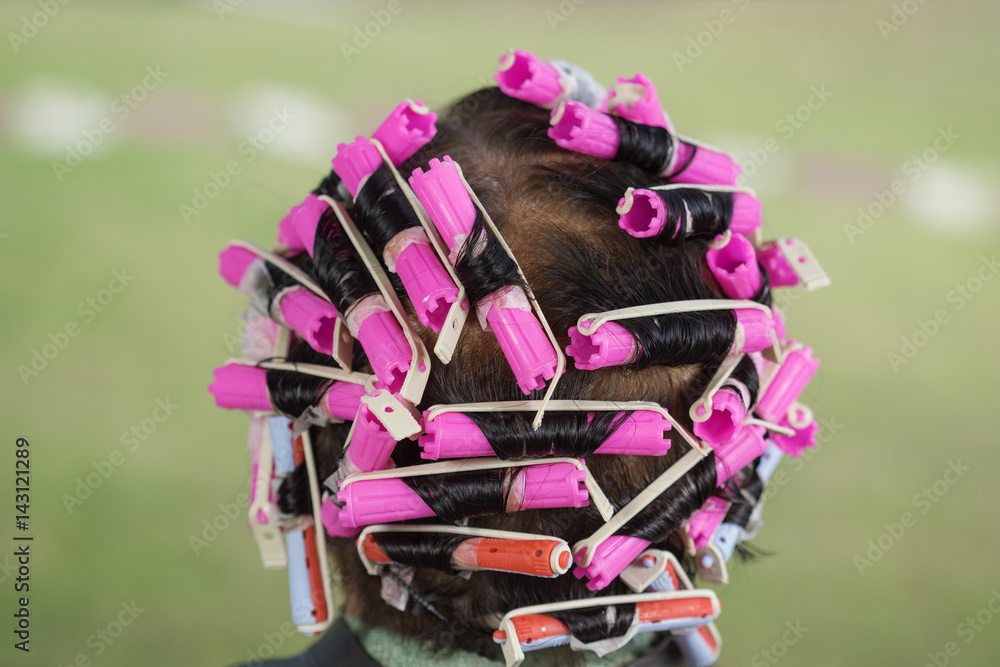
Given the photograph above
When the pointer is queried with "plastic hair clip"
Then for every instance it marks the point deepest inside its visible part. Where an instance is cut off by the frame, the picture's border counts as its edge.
(385, 500)
(407, 129)
(577, 127)
(262, 514)
(370, 444)
(523, 76)
(507, 312)
(497, 551)
(455, 435)
(635, 99)
(409, 253)
(733, 261)
(784, 384)
(789, 262)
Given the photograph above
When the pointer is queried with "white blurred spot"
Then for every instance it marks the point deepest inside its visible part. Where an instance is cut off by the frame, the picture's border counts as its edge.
(955, 198)
(50, 116)
(310, 137)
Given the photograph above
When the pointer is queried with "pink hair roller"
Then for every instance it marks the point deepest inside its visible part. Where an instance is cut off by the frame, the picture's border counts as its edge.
(452, 435)
(310, 317)
(788, 383)
(779, 272)
(610, 345)
(343, 399)
(542, 486)
(371, 444)
(747, 214)
(297, 230)
(239, 387)
(577, 127)
(733, 456)
(407, 129)
(642, 213)
(779, 325)
(726, 420)
(427, 284)
(444, 197)
(706, 519)
(330, 516)
(734, 265)
(233, 264)
(635, 99)
(523, 76)
(525, 345)
(611, 557)
(803, 439)
(753, 330)
(386, 347)
(701, 165)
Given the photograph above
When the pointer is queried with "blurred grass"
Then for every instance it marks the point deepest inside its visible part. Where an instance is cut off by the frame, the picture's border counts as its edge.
(162, 335)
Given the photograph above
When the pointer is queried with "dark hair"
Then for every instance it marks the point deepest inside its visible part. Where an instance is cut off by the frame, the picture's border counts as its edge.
(556, 209)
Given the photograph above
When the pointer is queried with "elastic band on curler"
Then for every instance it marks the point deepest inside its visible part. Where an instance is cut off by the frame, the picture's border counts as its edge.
(523, 76)
(733, 261)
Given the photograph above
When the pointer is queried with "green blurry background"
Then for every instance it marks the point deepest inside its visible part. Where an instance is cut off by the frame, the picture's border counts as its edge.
(880, 97)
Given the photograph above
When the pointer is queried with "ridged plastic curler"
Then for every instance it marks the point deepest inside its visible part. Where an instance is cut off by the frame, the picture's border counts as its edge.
(371, 444)
(407, 129)
(523, 342)
(233, 264)
(643, 213)
(239, 387)
(523, 76)
(576, 127)
(610, 559)
(733, 456)
(794, 445)
(726, 419)
(748, 214)
(311, 317)
(409, 253)
(330, 516)
(699, 647)
(610, 345)
(706, 519)
(383, 341)
(787, 385)
(297, 230)
(452, 435)
(734, 265)
(779, 271)
(753, 331)
(635, 99)
(369, 501)
(343, 399)
(789, 262)
(444, 197)
(702, 165)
